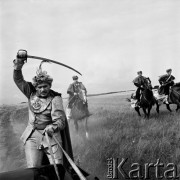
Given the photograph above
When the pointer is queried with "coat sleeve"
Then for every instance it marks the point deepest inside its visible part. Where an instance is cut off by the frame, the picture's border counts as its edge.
(161, 79)
(70, 89)
(58, 114)
(136, 80)
(25, 87)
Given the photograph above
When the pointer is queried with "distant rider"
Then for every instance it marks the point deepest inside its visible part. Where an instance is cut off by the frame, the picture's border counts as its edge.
(166, 81)
(139, 82)
(75, 90)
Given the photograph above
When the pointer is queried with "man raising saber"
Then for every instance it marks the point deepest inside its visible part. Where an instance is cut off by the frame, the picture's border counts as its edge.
(46, 115)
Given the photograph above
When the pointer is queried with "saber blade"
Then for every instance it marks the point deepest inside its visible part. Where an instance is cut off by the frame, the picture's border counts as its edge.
(55, 62)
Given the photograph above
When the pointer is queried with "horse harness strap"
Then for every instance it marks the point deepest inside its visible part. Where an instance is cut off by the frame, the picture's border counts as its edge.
(168, 78)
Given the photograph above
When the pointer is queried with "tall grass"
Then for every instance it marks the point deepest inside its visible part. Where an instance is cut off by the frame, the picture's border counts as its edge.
(116, 131)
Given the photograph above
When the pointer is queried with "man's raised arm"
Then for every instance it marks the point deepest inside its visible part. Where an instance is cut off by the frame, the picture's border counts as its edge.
(25, 87)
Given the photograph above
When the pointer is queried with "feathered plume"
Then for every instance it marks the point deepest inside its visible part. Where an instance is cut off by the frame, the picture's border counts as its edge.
(41, 76)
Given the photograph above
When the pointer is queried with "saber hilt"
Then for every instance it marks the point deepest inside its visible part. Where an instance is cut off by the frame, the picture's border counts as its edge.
(22, 54)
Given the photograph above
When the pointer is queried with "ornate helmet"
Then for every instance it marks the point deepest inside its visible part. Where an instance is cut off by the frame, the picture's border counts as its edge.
(41, 77)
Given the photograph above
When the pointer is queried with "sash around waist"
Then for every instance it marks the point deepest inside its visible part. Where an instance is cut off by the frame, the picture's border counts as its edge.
(40, 126)
(41, 122)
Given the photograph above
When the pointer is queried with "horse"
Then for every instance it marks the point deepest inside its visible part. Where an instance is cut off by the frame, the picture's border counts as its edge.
(174, 95)
(147, 100)
(79, 110)
(172, 98)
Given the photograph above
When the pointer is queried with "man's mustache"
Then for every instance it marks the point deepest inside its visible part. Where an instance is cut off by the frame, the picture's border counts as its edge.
(43, 91)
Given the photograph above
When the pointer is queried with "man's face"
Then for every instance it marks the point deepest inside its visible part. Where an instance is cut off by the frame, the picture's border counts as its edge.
(43, 89)
(139, 74)
(169, 73)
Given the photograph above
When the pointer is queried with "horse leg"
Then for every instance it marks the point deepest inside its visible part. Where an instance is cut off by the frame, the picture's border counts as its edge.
(149, 110)
(178, 104)
(168, 107)
(68, 120)
(177, 108)
(144, 110)
(86, 127)
(137, 110)
(69, 114)
(157, 107)
(76, 125)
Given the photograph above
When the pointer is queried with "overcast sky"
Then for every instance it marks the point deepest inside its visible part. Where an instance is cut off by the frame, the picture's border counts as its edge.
(108, 41)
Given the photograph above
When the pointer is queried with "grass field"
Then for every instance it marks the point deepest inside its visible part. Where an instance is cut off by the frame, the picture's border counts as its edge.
(115, 130)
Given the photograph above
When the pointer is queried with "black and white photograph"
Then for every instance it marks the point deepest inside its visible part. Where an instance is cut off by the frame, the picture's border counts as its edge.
(89, 89)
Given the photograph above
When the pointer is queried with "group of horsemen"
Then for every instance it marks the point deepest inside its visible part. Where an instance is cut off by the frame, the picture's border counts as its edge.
(166, 81)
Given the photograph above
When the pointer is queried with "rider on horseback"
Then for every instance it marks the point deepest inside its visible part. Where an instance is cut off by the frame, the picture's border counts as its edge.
(139, 82)
(166, 81)
(75, 90)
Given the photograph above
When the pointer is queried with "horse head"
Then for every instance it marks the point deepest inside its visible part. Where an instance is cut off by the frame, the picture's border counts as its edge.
(82, 96)
(147, 84)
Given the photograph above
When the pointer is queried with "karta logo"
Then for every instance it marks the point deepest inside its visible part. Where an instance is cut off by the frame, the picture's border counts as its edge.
(122, 170)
